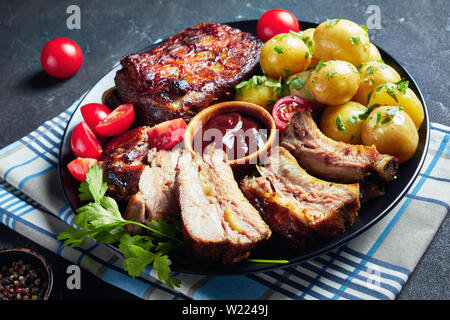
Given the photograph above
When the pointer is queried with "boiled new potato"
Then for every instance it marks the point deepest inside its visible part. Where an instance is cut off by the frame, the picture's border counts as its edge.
(257, 90)
(333, 82)
(392, 131)
(308, 38)
(342, 122)
(284, 54)
(297, 87)
(341, 39)
(374, 54)
(389, 94)
(373, 74)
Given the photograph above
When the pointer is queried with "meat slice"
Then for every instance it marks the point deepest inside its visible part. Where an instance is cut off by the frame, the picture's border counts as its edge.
(123, 161)
(156, 197)
(188, 72)
(333, 160)
(298, 206)
(218, 221)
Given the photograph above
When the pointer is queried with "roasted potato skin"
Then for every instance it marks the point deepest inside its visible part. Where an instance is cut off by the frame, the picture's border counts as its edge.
(383, 95)
(345, 40)
(348, 113)
(373, 74)
(285, 53)
(333, 82)
(396, 137)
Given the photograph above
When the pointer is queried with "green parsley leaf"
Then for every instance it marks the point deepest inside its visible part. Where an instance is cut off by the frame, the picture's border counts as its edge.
(279, 49)
(94, 188)
(391, 92)
(333, 22)
(309, 95)
(330, 75)
(320, 65)
(340, 124)
(352, 120)
(101, 220)
(366, 30)
(378, 118)
(370, 70)
(402, 85)
(386, 120)
(355, 40)
(296, 82)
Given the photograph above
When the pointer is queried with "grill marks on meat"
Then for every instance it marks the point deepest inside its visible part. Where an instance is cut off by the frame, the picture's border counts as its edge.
(123, 162)
(218, 221)
(334, 160)
(297, 205)
(156, 197)
(188, 72)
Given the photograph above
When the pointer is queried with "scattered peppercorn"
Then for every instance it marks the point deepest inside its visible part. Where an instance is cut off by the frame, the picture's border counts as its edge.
(21, 281)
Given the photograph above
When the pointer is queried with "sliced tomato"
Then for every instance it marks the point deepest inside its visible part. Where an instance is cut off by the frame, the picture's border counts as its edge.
(93, 113)
(286, 107)
(79, 167)
(167, 134)
(116, 122)
(84, 142)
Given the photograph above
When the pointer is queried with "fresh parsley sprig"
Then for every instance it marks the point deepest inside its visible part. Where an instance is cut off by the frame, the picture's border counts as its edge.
(102, 221)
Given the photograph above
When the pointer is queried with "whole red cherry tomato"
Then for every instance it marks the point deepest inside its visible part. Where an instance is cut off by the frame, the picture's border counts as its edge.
(93, 113)
(79, 167)
(116, 122)
(276, 21)
(84, 143)
(61, 57)
(286, 107)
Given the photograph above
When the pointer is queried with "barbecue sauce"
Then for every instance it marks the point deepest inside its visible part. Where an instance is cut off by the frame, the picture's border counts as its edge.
(238, 135)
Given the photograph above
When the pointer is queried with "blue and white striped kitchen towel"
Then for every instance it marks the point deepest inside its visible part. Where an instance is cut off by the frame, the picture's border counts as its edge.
(374, 265)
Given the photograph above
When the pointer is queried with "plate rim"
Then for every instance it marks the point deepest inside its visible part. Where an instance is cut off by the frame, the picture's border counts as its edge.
(303, 257)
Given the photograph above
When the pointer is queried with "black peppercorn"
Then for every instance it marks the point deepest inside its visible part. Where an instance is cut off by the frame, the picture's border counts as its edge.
(21, 281)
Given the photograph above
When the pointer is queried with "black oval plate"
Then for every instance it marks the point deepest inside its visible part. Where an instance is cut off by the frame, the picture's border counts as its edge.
(369, 214)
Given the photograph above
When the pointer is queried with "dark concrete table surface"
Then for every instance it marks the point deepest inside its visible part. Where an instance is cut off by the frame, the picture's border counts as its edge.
(416, 33)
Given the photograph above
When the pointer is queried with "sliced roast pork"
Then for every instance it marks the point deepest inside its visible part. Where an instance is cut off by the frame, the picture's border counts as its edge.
(218, 221)
(333, 160)
(298, 206)
(156, 197)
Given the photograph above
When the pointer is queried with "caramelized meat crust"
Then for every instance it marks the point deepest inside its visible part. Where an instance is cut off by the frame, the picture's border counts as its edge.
(334, 160)
(297, 206)
(188, 72)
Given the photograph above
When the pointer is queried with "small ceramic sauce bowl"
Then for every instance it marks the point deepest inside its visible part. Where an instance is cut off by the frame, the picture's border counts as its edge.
(244, 108)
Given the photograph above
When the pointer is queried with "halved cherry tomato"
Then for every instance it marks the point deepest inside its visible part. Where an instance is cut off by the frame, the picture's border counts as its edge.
(79, 167)
(167, 134)
(84, 143)
(93, 113)
(116, 122)
(284, 109)
(276, 21)
(61, 57)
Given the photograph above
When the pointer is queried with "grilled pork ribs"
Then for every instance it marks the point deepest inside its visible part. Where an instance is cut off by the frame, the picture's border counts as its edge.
(298, 206)
(334, 160)
(185, 74)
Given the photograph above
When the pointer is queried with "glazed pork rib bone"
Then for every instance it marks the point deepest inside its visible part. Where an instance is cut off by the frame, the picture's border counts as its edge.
(298, 206)
(333, 160)
(218, 221)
